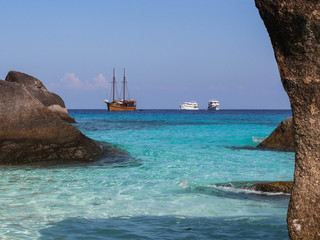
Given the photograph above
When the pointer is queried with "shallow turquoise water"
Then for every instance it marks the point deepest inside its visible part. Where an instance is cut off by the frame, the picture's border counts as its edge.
(161, 180)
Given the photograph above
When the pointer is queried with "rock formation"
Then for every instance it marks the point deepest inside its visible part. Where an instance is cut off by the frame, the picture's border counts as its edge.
(294, 30)
(36, 88)
(30, 132)
(282, 138)
(273, 187)
(280, 186)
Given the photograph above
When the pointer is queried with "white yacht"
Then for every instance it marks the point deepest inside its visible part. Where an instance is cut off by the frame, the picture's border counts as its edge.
(193, 105)
(213, 105)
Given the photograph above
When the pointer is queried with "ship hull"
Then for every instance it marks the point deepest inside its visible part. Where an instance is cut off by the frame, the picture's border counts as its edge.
(117, 107)
(213, 105)
(123, 104)
(189, 106)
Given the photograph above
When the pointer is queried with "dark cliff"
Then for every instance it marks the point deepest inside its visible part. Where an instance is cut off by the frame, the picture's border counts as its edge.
(294, 30)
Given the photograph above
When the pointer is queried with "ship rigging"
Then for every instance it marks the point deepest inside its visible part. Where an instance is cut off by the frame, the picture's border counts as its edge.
(122, 104)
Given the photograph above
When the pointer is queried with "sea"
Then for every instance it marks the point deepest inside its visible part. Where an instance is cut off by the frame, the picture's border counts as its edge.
(167, 174)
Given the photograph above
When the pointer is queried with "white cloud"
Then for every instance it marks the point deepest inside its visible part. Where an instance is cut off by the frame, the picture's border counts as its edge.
(70, 80)
(100, 81)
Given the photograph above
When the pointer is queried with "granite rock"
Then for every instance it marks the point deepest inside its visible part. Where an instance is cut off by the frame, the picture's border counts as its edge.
(30, 132)
(282, 138)
(36, 88)
(275, 187)
(294, 30)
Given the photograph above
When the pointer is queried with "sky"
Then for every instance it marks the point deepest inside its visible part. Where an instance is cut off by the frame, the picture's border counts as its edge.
(173, 51)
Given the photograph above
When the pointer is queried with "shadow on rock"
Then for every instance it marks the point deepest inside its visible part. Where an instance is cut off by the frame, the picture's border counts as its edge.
(112, 156)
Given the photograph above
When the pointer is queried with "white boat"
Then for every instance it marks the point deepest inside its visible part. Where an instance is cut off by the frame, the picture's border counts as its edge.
(213, 105)
(193, 105)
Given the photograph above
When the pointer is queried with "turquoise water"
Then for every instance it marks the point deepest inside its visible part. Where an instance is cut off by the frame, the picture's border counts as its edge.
(164, 178)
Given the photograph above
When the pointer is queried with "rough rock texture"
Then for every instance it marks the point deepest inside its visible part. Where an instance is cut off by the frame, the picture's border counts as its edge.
(36, 88)
(294, 29)
(282, 138)
(281, 186)
(30, 132)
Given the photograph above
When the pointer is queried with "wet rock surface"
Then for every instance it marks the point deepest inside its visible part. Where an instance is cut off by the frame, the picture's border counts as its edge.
(36, 88)
(282, 138)
(275, 187)
(265, 187)
(30, 132)
(294, 30)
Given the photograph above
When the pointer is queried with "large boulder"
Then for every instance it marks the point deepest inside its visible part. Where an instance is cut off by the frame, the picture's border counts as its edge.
(30, 132)
(294, 30)
(36, 88)
(282, 138)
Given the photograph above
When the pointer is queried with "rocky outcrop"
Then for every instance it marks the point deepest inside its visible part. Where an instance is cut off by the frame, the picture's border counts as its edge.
(282, 138)
(294, 30)
(275, 187)
(30, 132)
(36, 88)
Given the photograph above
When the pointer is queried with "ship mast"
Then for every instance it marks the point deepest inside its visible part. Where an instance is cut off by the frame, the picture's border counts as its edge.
(113, 84)
(124, 85)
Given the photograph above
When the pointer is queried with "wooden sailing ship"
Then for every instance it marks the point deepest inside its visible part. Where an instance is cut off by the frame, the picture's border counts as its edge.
(123, 104)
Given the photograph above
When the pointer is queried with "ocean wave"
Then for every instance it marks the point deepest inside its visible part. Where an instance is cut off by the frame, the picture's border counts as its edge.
(246, 191)
(236, 190)
(257, 139)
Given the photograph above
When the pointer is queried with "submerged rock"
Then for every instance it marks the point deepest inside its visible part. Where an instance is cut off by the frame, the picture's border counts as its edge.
(30, 132)
(294, 29)
(273, 187)
(282, 138)
(281, 186)
(36, 88)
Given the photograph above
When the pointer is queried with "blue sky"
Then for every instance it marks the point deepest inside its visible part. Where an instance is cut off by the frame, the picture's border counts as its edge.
(173, 51)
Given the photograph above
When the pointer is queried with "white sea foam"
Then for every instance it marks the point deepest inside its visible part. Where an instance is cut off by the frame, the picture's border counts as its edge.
(183, 184)
(257, 139)
(246, 191)
(231, 189)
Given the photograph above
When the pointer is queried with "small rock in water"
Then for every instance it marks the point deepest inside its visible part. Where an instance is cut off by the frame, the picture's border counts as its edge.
(282, 138)
(280, 186)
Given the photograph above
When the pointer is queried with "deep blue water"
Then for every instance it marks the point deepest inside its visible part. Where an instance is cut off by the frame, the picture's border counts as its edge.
(163, 178)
